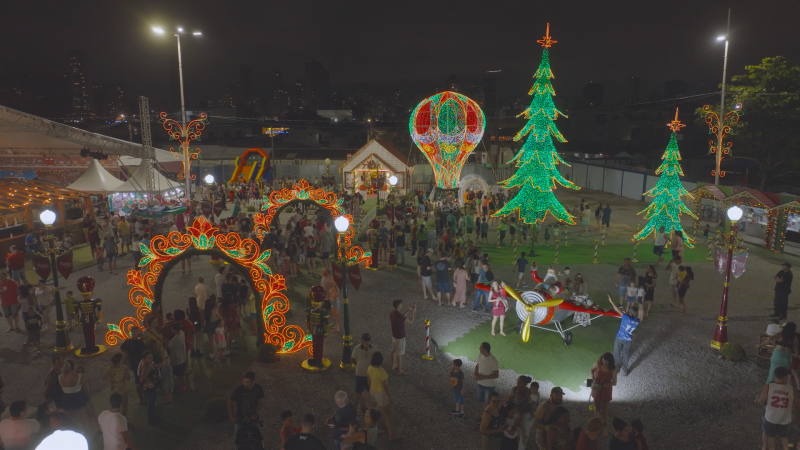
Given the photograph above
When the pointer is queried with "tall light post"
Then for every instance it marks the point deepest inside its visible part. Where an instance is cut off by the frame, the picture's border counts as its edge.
(342, 224)
(48, 218)
(721, 127)
(185, 140)
(390, 203)
(721, 335)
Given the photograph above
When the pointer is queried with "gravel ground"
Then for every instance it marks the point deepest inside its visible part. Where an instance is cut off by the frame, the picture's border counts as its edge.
(678, 386)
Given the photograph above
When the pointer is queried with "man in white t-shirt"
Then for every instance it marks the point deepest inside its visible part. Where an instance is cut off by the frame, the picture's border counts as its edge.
(17, 432)
(115, 427)
(361, 357)
(219, 279)
(486, 373)
(201, 292)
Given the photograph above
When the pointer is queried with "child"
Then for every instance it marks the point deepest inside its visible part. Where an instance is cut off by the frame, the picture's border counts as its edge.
(521, 264)
(535, 396)
(167, 378)
(640, 297)
(457, 382)
(219, 341)
(630, 297)
(33, 324)
(547, 235)
(510, 438)
(288, 427)
(69, 301)
(353, 429)
(98, 256)
(638, 433)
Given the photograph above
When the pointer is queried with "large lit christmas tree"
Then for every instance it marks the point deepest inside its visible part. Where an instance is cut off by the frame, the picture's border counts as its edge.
(666, 208)
(537, 160)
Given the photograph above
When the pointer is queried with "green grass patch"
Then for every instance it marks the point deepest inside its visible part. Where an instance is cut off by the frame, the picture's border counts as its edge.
(544, 356)
(584, 254)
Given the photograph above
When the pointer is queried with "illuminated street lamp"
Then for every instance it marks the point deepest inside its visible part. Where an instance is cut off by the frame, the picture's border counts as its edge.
(721, 335)
(390, 203)
(342, 224)
(185, 140)
(48, 218)
(64, 440)
(209, 179)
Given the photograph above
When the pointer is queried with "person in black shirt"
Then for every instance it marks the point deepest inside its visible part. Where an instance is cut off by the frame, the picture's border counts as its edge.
(246, 401)
(345, 413)
(425, 271)
(442, 278)
(304, 440)
(783, 286)
(134, 348)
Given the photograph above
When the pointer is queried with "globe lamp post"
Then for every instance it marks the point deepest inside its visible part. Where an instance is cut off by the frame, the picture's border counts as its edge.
(48, 218)
(342, 224)
(721, 335)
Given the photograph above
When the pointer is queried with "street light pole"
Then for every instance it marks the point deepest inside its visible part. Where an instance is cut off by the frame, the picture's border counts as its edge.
(183, 124)
(721, 335)
(62, 339)
(720, 132)
(342, 224)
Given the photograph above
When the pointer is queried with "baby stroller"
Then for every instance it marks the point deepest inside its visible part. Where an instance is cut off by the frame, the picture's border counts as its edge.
(248, 436)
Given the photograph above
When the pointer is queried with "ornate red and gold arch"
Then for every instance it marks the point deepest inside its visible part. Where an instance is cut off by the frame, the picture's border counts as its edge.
(204, 238)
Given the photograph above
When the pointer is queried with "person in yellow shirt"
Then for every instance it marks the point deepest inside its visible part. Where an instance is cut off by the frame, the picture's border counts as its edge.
(125, 235)
(379, 390)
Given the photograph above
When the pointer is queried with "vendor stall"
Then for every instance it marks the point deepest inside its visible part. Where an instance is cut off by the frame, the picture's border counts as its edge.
(369, 169)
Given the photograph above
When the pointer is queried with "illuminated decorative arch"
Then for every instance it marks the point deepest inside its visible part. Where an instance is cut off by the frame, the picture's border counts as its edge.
(204, 239)
(302, 191)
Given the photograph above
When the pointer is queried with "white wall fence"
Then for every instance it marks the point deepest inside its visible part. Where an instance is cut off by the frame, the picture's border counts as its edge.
(625, 182)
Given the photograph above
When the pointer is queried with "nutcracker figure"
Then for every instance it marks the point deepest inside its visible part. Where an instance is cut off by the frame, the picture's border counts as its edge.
(89, 312)
(374, 243)
(318, 324)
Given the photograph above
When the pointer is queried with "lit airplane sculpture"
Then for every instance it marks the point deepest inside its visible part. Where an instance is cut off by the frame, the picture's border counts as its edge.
(546, 304)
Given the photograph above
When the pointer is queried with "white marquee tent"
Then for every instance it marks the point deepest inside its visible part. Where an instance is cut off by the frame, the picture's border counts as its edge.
(138, 182)
(96, 180)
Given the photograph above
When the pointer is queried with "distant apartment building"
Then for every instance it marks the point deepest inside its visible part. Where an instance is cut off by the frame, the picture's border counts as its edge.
(78, 84)
(317, 86)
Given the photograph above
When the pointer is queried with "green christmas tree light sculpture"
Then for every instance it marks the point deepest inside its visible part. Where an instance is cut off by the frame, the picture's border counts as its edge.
(666, 208)
(537, 161)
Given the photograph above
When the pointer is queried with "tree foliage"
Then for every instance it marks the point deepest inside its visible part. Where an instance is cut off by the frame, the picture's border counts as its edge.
(768, 132)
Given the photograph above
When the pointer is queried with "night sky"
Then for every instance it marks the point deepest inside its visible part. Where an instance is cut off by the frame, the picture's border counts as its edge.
(396, 43)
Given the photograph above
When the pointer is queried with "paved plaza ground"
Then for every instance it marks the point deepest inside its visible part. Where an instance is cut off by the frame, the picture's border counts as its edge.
(687, 397)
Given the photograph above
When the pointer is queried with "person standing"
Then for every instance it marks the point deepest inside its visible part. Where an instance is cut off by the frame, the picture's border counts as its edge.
(398, 323)
(17, 432)
(304, 440)
(361, 357)
(150, 380)
(486, 372)
(124, 229)
(780, 398)
(379, 389)
(650, 283)
(460, 277)
(607, 216)
(521, 264)
(676, 244)
(219, 280)
(9, 300)
(587, 439)
(114, 426)
(543, 413)
(245, 402)
(177, 356)
(426, 272)
(622, 343)
(118, 376)
(783, 287)
(658, 245)
(497, 297)
(442, 278)
(604, 378)
(625, 274)
(15, 261)
(134, 349)
(340, 420)
(399, 244)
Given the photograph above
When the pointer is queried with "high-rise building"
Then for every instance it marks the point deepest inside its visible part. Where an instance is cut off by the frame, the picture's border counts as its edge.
(489, 91)
(633, 91)
(317, 87)
(78, 84)
(452, 83)
(280, 98)
(675, 88)
(297, 99)
(109, 100)
(593, 94)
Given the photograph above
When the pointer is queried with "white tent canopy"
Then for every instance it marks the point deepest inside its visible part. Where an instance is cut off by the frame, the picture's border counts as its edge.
(138, 182)
(162, 156)
(96, 180)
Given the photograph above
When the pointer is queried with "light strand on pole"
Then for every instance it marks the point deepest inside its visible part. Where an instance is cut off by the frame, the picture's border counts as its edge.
(635, 245)
(515, 253)
(566, 235)
(595, 252)
(556, 258)
(427, 356)
(603, 236)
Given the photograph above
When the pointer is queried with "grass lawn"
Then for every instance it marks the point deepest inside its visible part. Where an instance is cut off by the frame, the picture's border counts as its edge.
(544, 356)
(584, 253)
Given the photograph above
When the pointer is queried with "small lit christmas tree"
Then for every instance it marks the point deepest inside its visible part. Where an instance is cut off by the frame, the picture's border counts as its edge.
(666, 208)
(537, 161)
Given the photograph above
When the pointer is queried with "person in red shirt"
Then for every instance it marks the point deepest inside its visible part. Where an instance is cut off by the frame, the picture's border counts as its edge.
(588, 439)
(9, 300)
(398, 321)
(15, 261)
